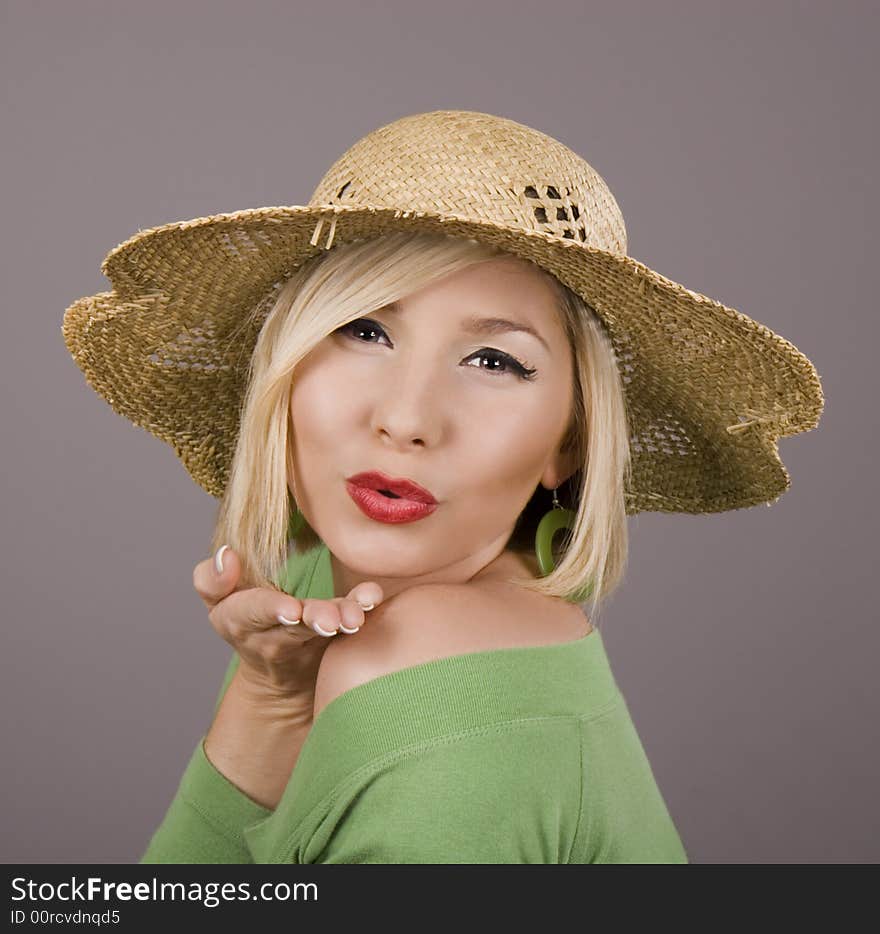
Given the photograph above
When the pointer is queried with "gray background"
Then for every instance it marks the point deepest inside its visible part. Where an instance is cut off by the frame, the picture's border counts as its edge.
(741, 143)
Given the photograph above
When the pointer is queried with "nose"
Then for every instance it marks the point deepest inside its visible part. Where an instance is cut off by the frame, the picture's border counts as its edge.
(407, 407)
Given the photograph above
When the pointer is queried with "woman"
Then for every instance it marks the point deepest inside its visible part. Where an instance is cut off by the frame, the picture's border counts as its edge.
(474, 717)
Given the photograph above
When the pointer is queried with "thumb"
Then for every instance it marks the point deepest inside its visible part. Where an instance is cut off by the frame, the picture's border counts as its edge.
(221, 566)
(217, 577)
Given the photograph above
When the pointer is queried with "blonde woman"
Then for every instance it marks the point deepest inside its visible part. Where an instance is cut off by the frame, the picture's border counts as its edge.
(399, 432)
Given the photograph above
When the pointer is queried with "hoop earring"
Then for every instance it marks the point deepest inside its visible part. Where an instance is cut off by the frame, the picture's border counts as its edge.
(554, 521)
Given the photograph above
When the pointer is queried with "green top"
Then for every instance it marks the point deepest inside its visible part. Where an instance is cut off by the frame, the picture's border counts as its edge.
(515, 755)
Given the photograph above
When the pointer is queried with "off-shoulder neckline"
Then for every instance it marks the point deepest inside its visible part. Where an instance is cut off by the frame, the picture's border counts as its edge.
(451, 662)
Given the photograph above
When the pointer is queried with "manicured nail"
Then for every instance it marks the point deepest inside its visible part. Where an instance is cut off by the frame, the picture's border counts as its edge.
(218, 559)
(366, 606)
(322, 631)
(349, 631)
(288, 622)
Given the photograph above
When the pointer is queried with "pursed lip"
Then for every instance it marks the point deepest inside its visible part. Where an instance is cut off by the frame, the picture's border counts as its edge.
(400, 486)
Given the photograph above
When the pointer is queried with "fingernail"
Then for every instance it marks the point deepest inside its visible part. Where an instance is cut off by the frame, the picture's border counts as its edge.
(322, 631)
(349, 631)
(288, 622)
(366, 606)
(218, 559)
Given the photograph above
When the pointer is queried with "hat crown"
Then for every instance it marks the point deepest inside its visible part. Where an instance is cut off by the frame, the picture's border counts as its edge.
(478, 167)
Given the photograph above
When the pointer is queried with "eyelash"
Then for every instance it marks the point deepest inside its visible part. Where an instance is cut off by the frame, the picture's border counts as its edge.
(520, 369)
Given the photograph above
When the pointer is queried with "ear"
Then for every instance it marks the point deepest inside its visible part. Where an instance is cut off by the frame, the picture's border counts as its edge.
(563, 465)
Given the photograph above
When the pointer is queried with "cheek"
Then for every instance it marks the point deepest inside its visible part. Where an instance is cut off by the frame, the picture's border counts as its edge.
(319, 410)
(510, 456)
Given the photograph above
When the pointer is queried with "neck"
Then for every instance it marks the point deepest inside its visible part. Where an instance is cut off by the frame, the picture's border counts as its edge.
(491, 564)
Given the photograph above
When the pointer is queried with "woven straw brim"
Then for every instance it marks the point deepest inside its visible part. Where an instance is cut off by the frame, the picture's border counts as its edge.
(708, 390)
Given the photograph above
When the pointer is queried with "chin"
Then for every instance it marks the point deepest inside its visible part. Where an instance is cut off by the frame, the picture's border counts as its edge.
(385, 560)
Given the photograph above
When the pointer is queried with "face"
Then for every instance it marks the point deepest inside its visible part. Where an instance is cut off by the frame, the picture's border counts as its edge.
(416, 391)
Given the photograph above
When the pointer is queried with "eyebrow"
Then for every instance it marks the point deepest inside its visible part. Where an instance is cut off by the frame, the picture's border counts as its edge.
(477, 325)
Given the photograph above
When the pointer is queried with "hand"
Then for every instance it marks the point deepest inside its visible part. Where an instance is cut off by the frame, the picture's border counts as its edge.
(277, 660)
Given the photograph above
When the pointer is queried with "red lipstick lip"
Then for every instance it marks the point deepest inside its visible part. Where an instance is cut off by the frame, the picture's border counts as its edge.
(400, 486)
(382, 508)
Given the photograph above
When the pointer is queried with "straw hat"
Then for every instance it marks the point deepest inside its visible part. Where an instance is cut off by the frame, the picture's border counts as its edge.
(708, 390)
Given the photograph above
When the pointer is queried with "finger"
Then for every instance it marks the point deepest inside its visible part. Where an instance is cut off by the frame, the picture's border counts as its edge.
(212, 586)
(323, 616)
(367, 595)
(351, 615)
(352, 609)
(246, 613)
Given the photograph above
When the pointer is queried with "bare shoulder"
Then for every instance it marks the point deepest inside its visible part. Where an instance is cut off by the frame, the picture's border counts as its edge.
(433, 621)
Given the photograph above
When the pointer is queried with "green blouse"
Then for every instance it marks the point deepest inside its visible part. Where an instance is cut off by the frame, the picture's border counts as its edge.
(515, 755)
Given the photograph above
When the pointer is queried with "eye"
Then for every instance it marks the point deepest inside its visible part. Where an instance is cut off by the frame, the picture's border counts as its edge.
(358, 326)
(506, 363)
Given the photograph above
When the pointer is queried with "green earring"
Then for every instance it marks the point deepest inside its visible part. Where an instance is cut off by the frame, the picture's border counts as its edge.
(554, 521)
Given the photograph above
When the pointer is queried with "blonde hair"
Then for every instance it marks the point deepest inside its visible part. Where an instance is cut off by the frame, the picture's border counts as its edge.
(350, 281)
